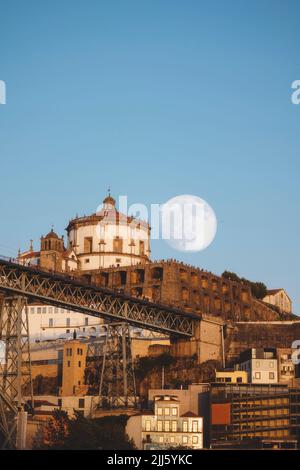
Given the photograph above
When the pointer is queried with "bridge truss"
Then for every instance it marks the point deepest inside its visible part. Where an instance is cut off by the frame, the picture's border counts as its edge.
(20, 285)
(62, 291)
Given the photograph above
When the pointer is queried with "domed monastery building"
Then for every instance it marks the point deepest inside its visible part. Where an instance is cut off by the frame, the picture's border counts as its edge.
(105, 239)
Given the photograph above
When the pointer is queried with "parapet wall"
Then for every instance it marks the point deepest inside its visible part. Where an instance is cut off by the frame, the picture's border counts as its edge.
(208, 343)
(242, 336)
(186, 287)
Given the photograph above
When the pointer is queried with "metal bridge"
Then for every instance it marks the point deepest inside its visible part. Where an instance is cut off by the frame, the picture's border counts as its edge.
(60, 290)
(20, 285)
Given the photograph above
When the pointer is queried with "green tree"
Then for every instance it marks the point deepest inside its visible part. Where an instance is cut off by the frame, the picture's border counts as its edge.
(258, 289)
(82, 433)
(54, 434)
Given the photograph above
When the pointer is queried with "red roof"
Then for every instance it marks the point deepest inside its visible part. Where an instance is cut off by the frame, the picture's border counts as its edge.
(30, 254)
(38, 403)
(189, 414)
(273, 291)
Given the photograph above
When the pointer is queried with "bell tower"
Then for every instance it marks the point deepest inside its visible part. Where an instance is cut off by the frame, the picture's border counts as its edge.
(52, 249)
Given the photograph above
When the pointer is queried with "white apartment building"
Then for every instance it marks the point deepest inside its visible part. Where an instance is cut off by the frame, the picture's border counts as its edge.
(260, 364)
(47, 322)
(165, 427)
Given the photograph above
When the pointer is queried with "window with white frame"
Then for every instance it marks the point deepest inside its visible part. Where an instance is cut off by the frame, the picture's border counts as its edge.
(184, 439)
(195, 426)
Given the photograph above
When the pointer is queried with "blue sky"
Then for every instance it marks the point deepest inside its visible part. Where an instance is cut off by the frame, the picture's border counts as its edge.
(155, 99)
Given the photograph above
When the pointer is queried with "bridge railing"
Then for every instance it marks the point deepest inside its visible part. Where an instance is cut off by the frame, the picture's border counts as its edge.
(61, 290)
(83, 280)
(9, 259)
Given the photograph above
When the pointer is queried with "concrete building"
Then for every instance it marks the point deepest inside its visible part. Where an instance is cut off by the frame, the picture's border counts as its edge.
(195, 399)
(74, 363)
(280, 299)
(46, 360)
(166, 426)
(286, 367)
(232, 376)
(260, 364)
(254, 414)
(47, 322)
(45, 405)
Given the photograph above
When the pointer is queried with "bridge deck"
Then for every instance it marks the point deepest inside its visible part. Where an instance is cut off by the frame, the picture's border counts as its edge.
(60, 290)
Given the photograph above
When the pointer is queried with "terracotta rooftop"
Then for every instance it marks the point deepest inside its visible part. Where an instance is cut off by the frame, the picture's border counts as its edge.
(273, 291)
(30, 254)
(38, 403)
(51, 234)
(189, 414)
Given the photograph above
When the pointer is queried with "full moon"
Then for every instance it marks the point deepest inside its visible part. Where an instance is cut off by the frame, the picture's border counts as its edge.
(188, 223)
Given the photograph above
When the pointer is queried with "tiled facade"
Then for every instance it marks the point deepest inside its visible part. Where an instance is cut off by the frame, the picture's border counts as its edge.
(167, 427)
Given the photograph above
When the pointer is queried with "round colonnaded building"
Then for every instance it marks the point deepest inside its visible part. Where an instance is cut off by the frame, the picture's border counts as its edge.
(108, 238)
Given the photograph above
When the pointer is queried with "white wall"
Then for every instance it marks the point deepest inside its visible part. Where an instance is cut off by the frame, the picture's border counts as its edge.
(103, 256)
(259, 370)
(41, 317)
(280, 300)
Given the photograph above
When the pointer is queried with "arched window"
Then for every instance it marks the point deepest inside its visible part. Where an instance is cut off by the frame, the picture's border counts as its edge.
(118, 245)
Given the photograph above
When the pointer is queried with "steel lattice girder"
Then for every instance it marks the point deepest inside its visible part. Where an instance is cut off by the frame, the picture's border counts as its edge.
(8, 423)
(15, 366)
(15, 371)
(62, 291)
(117, 382)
